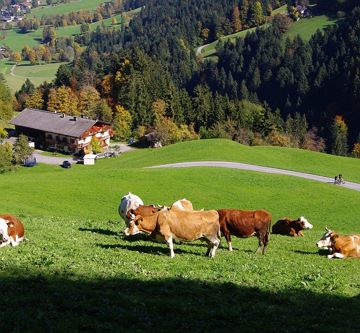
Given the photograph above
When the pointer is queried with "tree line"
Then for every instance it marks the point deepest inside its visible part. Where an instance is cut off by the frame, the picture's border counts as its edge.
(262, 89)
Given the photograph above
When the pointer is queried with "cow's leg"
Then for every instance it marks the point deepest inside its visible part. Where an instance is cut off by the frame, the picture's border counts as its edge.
(209, 247)
(169, 241)
(13, 243)
(259, 236)
(226, 233)
(265, 242)
(336, 255)
(215, 245)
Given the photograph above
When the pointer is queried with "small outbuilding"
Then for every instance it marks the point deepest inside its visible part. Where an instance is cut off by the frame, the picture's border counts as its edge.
(89, 159)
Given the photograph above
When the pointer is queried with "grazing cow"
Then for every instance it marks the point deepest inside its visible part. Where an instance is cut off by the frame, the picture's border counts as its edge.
(293, 228)
(128, 201)
(340, 246)
(11, 230)
(246, 223)
(143, 211)
(180, 225)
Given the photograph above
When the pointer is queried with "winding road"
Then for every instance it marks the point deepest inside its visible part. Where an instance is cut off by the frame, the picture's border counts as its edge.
(243, 166)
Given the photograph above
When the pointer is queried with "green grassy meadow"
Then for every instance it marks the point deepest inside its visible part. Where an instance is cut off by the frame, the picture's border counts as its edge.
(65, 8)
(36, 73)
(306, 27)
(77, 271)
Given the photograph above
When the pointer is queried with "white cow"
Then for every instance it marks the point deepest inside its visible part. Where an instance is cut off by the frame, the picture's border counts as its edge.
(128, 201)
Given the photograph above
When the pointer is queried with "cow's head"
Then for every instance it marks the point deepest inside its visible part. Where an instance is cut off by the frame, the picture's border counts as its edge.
(327, 239)
(4, 236)
(133, 227)
(305, 223)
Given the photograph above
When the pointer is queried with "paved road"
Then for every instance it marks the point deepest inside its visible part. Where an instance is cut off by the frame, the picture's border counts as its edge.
(243, 166)
(58, 160)
(52, 159)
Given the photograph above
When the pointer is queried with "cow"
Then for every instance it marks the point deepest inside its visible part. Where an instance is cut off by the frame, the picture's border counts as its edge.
(340, 246)
(11, 230)
(128, 201)
(289, 227)
(245, 223)
(179, 225)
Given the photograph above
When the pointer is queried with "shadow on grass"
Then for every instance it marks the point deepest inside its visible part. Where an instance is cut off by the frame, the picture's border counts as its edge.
(149, 248)
(60, 304)
(101, 231)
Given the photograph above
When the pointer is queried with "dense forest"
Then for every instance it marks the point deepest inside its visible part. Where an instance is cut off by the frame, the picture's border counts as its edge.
(262, 89)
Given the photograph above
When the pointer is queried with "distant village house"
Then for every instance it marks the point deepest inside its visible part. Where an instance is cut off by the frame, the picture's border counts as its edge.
(60, 132)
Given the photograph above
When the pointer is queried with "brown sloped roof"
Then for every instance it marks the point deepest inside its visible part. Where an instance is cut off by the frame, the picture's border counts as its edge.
(53, 122)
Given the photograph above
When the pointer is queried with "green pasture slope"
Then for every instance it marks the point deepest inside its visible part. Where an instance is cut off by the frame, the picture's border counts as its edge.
(306, 27)
(77, 272)
(65, 8)
(36, 73)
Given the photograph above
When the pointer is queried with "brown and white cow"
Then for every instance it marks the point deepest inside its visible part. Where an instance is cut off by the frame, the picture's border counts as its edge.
(11, 230)
(179, 225)
(246, 223)
(340, 246)
(289, 227)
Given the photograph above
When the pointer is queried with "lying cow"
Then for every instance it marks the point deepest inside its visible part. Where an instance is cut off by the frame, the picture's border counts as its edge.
(128, 201)
(292, 228)
(340, 246)
(11, 230)
(179, 225)
(246, 223)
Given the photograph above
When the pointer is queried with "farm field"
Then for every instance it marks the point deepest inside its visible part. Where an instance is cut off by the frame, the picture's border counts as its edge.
(78, 265)
(306, 27)
(65, 8)
(37, 73)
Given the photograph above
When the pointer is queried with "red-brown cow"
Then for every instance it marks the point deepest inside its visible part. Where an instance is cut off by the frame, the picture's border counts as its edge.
(246, 223)
(289, 227)
(11, 230)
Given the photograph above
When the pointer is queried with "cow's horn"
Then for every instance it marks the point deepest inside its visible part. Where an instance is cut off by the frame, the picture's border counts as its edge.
(327, 229)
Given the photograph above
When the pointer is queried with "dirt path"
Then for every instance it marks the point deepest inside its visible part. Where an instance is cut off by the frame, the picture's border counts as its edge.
(243, 166)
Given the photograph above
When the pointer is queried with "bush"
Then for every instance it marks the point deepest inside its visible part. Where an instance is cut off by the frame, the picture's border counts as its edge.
(6, 157)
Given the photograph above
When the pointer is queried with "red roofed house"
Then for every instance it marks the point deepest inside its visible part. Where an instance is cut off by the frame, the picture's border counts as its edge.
(53, 130)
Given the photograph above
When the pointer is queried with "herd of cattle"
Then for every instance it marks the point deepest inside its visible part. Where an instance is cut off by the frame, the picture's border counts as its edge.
(181, 222)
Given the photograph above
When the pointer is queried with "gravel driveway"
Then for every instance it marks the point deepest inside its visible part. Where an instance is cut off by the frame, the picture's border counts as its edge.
(243, 166)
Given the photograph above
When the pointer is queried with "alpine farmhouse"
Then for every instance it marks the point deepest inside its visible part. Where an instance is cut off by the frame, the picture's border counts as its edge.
(60, 132)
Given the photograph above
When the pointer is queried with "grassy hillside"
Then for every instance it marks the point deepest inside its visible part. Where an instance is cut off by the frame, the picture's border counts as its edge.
(65, 8)
(306, 27)
(226, 150)
(37, 73)
(78, 265)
